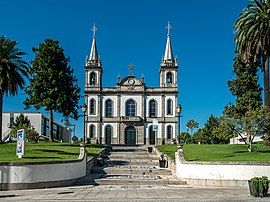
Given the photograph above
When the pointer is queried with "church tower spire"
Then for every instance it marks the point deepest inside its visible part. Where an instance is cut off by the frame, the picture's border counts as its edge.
(169, 66)
(168, 55)
(93, 59)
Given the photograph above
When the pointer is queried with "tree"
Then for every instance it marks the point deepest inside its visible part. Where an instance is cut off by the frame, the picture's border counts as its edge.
(213, 132)
(191, 125)
(252, 36)
(52, 83)
(13, 70)
(245, 87)
(22, 122)
(253, 123)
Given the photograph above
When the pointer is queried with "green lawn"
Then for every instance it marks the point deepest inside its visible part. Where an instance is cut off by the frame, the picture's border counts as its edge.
(169, 149)
(44, 152)
(220, 152)
(226, 153)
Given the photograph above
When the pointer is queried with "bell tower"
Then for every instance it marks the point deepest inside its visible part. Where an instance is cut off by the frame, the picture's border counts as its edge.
(169, 65)
(93, 67)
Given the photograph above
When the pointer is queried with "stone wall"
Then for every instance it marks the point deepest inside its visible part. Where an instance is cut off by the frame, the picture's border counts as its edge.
(218, 174)
(41, 175)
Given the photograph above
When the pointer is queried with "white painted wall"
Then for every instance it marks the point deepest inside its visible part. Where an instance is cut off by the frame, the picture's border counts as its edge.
(35, 120)
(27, 173)
(219, 171)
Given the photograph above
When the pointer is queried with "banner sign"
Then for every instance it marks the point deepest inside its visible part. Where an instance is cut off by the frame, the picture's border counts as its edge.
(20, 143)
(155, 125)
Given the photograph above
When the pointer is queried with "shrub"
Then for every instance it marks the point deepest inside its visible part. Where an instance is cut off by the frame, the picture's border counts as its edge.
(259, 186)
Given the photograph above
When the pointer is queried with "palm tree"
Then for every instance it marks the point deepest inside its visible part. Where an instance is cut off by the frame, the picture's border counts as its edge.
(252, 35)
(13, 69)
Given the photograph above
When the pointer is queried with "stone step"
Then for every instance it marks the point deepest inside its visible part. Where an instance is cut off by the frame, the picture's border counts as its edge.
(151, 157)
(138, 170)
(138, 182)
(120, 162)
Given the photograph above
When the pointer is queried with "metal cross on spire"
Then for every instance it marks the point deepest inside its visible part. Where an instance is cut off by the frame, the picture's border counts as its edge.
(168, 27)
(131, 67)
(94, 29)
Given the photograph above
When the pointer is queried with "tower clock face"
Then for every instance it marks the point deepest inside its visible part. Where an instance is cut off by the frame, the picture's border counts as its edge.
(131, 81)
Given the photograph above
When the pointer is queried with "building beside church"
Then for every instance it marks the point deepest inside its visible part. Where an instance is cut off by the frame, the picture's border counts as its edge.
(124, 114)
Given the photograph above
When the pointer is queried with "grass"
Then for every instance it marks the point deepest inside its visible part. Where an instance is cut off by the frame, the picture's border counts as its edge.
(44, 152)
(220, 152)
(226, 153)
(169, 149)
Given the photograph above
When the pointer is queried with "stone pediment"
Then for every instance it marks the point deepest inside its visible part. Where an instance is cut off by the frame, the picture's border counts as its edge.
(130, 80)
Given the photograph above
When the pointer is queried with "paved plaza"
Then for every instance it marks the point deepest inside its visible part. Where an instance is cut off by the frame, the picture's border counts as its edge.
(131, 193)
(131, 174)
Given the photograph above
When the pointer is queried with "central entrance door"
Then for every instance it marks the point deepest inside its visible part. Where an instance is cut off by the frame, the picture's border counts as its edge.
(130, 135)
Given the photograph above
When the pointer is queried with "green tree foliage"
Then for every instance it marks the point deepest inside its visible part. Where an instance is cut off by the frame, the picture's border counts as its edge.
(53, 84)
(22, 122)
(254, 122)
(13, 70)
(192, 125)
(252, 36)
(213, 132)
(245, 87)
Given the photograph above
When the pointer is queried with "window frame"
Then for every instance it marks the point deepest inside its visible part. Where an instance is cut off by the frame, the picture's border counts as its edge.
(131, 112)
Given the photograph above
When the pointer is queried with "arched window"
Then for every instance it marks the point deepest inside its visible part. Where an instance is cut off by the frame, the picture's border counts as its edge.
(169, 132)
(169, 107)
(92, 131)
(169, 78)
(130, 108)
(152, 108)
(108, 108)
(92, 78)
(92, 106)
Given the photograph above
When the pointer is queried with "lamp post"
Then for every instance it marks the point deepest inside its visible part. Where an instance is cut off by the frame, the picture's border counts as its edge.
(84, 109)
(179, 110)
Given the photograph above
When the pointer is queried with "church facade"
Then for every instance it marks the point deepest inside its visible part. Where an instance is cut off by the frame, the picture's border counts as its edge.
(124, 113)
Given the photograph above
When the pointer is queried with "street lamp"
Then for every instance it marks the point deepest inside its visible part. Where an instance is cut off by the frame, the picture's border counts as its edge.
(179, 110)
(84, 109)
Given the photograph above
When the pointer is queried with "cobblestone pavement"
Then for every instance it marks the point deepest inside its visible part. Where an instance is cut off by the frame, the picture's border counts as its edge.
(131, 193)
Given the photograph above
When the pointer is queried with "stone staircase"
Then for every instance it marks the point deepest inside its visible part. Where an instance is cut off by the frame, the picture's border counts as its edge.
(130, 165)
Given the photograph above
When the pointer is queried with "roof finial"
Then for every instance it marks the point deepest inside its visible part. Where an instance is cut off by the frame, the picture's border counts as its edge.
(168, 27)
(131, 67)
(94, 29)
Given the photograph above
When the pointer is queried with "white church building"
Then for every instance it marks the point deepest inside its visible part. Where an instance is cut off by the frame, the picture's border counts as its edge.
(124, 113)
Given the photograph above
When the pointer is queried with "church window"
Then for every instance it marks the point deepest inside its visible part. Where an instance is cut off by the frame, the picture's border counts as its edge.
(169, 132)
(93, 78)
(169, 78)
(92, 131)
(92, 106)
(108, 108)
(169, 107)
(130, 108)
(152, 108)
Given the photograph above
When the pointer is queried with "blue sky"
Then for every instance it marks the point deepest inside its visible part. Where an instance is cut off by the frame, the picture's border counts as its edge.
(134, 32)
